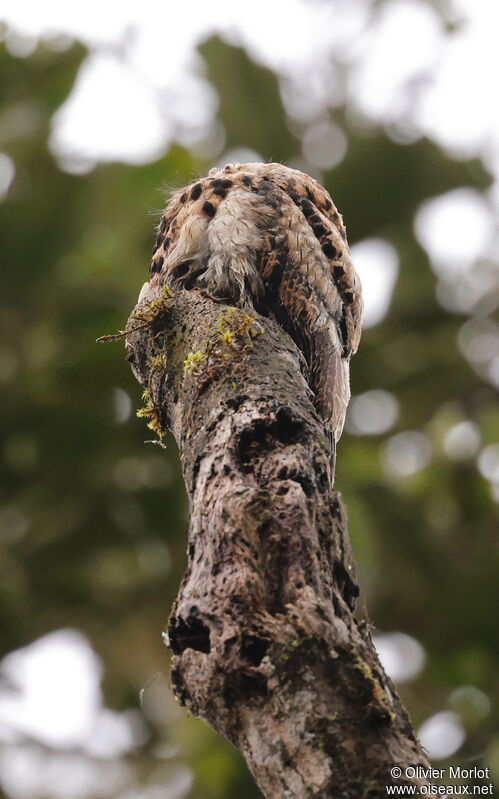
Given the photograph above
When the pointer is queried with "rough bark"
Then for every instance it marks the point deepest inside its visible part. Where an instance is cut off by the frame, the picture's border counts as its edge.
(266, 645)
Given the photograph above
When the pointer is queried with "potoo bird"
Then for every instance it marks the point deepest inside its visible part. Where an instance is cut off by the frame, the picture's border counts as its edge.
(269, 238)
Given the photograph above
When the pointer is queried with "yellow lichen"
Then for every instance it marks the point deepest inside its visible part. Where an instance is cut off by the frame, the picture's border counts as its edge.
(157, 361)
(364, 668)
(227, 337)
(151, 414)
(226, 347)
(143, 317)
(192, 362)
(154, 308)
(235, 324)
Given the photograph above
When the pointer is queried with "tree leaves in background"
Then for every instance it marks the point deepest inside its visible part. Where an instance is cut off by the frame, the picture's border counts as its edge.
(92, 520)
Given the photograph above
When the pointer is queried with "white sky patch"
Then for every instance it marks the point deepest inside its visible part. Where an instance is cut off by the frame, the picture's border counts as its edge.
(455, 229)
(324, 144)
(239, 155)
(441, 735)
(110, 735)
(58, 694)
(406, 454)
(92, 21)
(143, 86)
(488, 463)
(401, 655)
(377, 263)
(453, 75)
(122, 405)
(167, 781)
(314, 82)
(372, 413)
(459, 110)
(462, 440)
(20, 45)
(51, 693)
(177, 779)
(110, 114)
(479, 340)
(476, 291)
(30, 772)
(399, 49)
(443, 85)
(152, 45)
(7, 172)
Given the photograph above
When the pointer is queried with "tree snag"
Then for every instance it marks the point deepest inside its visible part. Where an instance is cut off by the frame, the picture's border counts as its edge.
(266, 646)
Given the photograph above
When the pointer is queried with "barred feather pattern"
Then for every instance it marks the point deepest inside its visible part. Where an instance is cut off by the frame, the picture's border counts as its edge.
(269, 238)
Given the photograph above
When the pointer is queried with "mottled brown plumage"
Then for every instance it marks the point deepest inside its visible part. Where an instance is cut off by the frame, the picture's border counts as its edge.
(268, 237)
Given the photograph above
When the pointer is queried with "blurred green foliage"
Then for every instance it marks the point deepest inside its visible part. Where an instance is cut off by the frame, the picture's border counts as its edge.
(93, 521)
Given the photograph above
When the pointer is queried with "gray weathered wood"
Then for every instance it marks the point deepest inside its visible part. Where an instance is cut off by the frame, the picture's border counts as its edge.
(266, 645)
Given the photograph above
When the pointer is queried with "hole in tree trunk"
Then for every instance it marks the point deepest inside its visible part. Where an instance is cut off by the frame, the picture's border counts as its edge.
(254, 649)
(189, 634)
